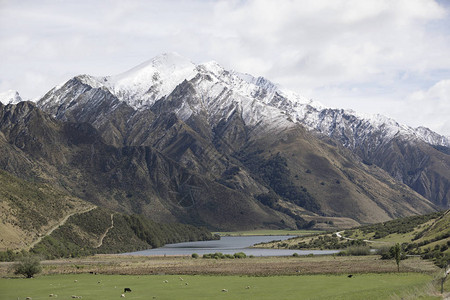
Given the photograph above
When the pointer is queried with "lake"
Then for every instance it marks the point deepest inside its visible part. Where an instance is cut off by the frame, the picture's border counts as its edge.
(229, 245)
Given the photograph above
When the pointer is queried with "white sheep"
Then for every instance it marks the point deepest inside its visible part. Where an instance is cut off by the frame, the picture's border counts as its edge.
(122, 295)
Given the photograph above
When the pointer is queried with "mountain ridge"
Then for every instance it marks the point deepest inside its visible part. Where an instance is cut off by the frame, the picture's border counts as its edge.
(222, 149)
(307, 112)
(218, 94)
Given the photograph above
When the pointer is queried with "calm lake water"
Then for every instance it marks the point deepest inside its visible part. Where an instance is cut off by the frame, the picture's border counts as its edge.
(229, 245)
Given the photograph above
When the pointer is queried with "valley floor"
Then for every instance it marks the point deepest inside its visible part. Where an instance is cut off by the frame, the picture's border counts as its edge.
(186, 287)
(256, 266)
(314, 277)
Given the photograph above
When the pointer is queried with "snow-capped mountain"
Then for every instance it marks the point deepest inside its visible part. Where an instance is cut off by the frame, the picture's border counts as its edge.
(216, 102)
(259, 100)
(10, 97)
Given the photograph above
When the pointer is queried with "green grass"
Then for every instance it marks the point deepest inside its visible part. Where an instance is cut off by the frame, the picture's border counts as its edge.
(269, 232)
(361, 286)
(396, 238)
(392, 238)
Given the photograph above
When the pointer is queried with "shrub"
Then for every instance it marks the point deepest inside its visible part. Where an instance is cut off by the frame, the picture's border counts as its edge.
(385, 252)
(356, 251)
(240, 255)
(28, 266)
(295, 254)
(219, 255)
(194, 255)
(10, 255)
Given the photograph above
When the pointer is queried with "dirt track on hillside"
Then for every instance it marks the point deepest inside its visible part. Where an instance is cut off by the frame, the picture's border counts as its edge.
(60, 223)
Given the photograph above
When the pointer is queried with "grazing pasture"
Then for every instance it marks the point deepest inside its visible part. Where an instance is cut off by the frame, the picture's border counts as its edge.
(90, 286)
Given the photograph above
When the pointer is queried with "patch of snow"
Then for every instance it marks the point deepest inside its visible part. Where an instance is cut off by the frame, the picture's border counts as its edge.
(10, 97)
(151, 80)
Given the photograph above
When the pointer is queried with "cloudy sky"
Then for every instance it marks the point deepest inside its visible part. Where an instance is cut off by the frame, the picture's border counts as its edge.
(374, 56)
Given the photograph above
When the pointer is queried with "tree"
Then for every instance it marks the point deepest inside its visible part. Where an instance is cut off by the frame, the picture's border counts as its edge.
(444, 263)
(396, 253)
(28, 266)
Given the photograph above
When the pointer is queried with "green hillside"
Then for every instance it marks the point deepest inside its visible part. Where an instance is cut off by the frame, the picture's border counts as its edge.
(49, 222)
(424, 235)
(103, 231)
(29, 210)
(421, 234)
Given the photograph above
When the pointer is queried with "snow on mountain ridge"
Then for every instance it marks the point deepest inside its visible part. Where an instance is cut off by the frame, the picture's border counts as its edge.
(223, 91)
(151, 80)
(10, 97)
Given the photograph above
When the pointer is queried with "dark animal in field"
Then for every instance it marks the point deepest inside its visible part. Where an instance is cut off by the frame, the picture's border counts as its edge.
(350, 276)
(126, 290)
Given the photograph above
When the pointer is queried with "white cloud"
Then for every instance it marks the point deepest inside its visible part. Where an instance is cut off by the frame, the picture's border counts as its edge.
(342, 52)
(432, 106)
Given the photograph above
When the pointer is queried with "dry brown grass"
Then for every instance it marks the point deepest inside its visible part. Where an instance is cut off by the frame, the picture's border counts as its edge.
(258, 266)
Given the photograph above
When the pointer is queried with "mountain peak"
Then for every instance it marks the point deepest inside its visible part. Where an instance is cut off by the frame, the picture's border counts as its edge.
(150, 80)
(185, 110)
(154, 79)
(169, 59)
(10, 97)
(212, 66)
(166, 63)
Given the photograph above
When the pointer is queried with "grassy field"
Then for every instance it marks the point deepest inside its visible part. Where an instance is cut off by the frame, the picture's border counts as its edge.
(257, 266)
(361, 286)
(316, 277)
(269, 232)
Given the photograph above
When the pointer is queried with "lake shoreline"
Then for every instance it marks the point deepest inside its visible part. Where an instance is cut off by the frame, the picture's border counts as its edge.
(230, 245)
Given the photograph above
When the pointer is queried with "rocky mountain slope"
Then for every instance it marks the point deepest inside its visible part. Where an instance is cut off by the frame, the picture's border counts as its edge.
(417, 157)
(202, 145)
(133, 179)
(280, 181)
(205, 97)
